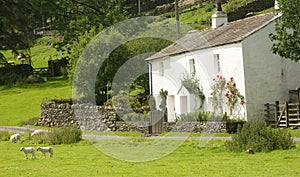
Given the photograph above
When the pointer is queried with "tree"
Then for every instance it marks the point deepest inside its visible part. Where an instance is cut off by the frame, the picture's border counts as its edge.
(287, 37)
(15, 27)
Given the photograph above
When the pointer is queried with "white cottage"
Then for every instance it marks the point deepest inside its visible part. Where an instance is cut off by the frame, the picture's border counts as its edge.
(240, 49)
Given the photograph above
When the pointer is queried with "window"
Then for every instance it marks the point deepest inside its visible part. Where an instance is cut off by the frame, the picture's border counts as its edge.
(217, 63)
(192, 66)
(161, 69)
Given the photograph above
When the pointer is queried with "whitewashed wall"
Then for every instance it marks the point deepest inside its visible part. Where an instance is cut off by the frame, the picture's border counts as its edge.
(268, 77)
(176, 67)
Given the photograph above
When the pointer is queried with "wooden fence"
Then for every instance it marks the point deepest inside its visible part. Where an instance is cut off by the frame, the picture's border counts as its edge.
(283, 115)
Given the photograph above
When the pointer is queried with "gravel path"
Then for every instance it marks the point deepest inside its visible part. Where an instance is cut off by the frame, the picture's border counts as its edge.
(107, 137)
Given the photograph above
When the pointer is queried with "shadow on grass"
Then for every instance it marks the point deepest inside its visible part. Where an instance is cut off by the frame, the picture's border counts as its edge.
(52, 82)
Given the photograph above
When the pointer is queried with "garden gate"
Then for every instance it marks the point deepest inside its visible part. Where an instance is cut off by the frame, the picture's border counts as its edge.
(156, 122)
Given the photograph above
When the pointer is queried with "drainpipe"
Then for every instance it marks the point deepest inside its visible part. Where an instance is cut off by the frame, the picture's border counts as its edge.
(150, 79)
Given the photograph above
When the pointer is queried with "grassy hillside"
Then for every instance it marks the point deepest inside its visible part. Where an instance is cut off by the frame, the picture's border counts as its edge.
(22, 102)
(40, 54)
(198, 15)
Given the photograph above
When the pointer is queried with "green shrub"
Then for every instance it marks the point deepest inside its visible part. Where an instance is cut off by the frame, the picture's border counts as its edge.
(47, 40)
(258, 136)
(4, 135)
(134, 117)
(201, 116)
(65, 135)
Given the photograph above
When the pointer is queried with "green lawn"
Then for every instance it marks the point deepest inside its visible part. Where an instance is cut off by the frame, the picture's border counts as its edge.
(22, 102)
(83, 159)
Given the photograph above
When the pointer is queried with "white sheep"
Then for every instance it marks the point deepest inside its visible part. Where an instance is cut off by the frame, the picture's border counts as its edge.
(44, 150)
(28, 150)
(35, 132)
(15, 138)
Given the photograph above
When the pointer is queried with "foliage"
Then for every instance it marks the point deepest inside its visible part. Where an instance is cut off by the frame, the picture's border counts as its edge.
(16, 27)
(124, 100)
(2, 59)
(4, 135)
(163, 95)
(77, 47)
(10, 75)
(47, 40)
(218, 89)
(201, 116)
(134, 117)
(66, 135)
(233, 95)
(192, 84)
(287, 37)
(258, 136)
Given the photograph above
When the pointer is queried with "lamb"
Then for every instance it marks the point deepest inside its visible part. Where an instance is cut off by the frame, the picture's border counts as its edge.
(44, 150)
(28, 150)
(15, 138)
(35, 132)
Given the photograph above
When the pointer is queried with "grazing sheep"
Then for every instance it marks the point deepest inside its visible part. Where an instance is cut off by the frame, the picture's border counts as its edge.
(15, 137)
(44, 150)
(35, 132)
(28, 150)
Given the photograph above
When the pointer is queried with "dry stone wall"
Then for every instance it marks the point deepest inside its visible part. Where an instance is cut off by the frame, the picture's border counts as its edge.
(103, 118)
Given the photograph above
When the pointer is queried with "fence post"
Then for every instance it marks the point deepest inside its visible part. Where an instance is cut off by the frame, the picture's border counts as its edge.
(267, 113)
(287, 114)
(276, 112)
(298, 112)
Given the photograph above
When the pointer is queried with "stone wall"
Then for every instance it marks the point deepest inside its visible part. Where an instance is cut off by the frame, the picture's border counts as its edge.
(103, 118)
(87, 117)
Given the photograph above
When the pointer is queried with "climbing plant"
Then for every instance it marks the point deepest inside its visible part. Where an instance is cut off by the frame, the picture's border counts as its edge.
(218, 89)
(232, 94)
(163, 104)
(192, 84)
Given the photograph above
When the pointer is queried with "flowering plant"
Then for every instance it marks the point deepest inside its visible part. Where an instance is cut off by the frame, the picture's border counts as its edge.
(233, 95)
(218, 89)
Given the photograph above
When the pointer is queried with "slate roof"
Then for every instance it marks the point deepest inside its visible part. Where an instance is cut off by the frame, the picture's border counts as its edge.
(230, 32)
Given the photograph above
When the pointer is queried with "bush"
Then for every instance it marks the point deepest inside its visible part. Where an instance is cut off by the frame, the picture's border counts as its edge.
(134, 117)
(11, 75)
(258, 136)
(4, 135)
(65, 135)
(201, 116)
(47, 40)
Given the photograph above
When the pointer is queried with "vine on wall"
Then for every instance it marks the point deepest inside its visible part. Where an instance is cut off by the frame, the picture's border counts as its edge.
(192, 84)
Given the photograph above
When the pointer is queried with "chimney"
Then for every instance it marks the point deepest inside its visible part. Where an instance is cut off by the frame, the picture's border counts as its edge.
(219, 17)
(276, 8)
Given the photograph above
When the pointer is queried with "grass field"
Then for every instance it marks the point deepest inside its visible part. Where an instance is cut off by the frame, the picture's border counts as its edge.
(83, 159)
(40, 54)
(22, 102)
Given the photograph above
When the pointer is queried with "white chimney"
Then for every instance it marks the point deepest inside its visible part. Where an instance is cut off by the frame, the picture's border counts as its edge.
(219, 17)
(276, 8)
